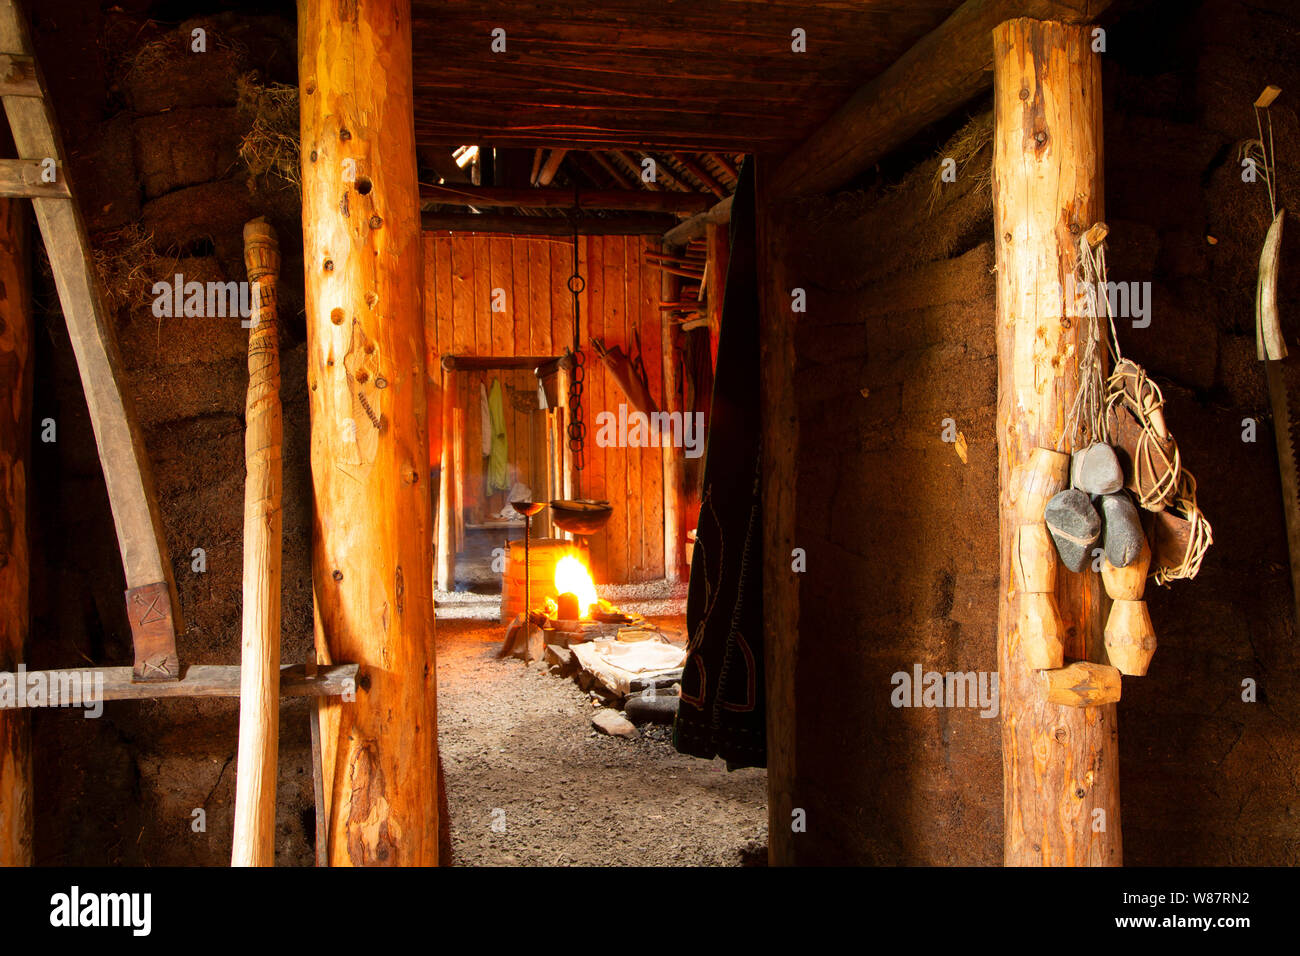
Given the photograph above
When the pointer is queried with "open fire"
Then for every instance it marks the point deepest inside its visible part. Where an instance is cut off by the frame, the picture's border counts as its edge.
(576, 598)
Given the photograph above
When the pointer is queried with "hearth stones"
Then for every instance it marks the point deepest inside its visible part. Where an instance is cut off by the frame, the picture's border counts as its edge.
(1096, 470)
(1075, 527)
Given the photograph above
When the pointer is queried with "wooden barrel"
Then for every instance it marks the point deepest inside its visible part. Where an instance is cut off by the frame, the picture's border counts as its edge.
(543, 555)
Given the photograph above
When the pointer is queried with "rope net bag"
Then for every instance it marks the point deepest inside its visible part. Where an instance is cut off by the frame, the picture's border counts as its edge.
(1126, 408)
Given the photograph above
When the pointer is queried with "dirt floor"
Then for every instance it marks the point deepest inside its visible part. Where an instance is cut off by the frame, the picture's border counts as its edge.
(531, 782)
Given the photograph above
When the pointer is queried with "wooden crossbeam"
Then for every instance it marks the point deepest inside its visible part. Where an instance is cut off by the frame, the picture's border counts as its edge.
(646, 225)
(942, 71)
(696, 226)
(26, 179)
(196, 680)
(621, 199)
(18, 75)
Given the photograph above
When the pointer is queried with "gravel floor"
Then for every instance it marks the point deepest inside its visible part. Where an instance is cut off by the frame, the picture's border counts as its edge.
(530, 782)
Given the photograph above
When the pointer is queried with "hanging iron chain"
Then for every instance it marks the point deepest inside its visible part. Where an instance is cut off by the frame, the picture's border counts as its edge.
(577, 426)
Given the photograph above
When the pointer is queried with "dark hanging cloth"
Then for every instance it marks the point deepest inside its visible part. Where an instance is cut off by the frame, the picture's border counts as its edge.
(722, 711)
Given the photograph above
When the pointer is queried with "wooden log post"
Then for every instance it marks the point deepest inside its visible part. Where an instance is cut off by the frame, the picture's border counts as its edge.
(15, 445)
(259, 685)
(1060, 763)
(447, 503)
(674, 459)
(779, 456)
(371, 561)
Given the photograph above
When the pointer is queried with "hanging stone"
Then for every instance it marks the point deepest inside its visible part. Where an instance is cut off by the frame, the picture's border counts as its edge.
(1075, 527)
(1122, 534)
(1096, 470)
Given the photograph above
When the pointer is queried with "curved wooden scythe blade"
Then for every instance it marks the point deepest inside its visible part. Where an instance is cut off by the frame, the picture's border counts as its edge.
(151, 592)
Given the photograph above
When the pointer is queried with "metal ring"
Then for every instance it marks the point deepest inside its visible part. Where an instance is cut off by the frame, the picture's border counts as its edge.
(576, 283)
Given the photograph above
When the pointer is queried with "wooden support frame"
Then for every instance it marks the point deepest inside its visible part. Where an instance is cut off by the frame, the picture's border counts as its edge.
(1060, 764)
(152, 605)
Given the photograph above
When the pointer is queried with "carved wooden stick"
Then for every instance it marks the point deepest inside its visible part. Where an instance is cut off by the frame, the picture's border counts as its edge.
(259, 686)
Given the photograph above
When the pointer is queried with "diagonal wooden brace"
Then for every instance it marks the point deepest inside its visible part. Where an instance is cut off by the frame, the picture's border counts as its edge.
(153, 632)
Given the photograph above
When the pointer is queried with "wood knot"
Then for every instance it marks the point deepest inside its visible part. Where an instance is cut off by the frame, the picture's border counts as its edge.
(345, 134)
(338, 575)
(328, 265)
(376, 222)
(1024, 93)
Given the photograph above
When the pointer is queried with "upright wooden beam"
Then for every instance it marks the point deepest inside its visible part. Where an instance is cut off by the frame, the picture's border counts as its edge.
(941, 72)
(259, 697)
(1060, 764)
(674, 459)
(371, 555)
(718, 241)
(779, 453)
(447, 503)
(15, 443)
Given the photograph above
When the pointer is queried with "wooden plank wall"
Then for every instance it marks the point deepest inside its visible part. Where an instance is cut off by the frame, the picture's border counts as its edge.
(622, 294)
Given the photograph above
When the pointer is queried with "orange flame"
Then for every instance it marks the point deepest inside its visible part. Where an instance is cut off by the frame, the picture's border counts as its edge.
(571, 575)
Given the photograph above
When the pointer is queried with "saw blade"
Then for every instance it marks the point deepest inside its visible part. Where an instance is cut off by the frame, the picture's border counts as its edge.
(1284, 396)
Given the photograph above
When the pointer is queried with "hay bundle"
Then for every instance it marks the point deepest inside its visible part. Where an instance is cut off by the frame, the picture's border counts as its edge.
(271, 144)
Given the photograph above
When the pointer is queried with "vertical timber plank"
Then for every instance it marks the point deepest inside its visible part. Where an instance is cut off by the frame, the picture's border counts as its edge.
(779, 453)
(15, 558)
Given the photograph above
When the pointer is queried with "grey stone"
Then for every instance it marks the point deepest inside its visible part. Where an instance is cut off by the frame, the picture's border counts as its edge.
(1074, 525)
(560, 657)
(613, 723)
(659, 708)
(1121, 529)
(1096, 470)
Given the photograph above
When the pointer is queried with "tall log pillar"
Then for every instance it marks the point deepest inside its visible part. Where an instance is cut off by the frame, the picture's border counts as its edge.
(1060, 764)
(371, 562)
(15, 445)
(674, 458)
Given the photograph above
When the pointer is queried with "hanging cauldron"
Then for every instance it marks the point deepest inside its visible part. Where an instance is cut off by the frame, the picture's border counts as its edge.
(580, 516)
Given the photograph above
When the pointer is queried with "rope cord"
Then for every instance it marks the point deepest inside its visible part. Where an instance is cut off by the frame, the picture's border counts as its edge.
(1158, 473)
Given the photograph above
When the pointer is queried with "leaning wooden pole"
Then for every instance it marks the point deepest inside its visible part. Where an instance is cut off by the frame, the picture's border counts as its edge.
(1060, 763)
(15, 445)
(259, 675)
(366, 368)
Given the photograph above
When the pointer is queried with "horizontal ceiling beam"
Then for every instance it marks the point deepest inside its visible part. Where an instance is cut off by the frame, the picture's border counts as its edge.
(623, 199)
(501, 224)
(945, 69)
